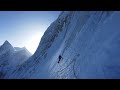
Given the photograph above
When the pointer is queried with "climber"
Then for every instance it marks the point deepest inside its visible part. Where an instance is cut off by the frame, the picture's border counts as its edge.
(60, 57)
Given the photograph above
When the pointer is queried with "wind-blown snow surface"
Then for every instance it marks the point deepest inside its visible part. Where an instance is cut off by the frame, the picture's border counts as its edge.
(89, 42)
(10, 58)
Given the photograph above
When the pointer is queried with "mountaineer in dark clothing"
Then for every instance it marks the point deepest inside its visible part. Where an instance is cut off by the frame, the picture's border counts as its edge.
(60, 57)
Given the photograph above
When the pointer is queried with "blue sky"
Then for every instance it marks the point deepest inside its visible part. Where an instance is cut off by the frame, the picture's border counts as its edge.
(25, 28)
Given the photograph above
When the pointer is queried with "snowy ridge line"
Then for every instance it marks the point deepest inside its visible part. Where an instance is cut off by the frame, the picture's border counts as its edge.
(85, 42)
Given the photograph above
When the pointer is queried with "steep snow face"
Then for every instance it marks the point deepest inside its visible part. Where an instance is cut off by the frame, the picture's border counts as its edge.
(49, 37)
(52, 32)
(78, 56)
(10, 58)
(88, 41)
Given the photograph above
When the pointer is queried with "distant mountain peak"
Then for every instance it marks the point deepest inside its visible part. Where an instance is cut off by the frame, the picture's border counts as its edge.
(24, 47)
(19, 48)
(6, 46)
(6, 42)
(25, 50)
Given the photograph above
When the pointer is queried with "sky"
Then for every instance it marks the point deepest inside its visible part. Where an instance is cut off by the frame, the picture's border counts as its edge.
(25, 28)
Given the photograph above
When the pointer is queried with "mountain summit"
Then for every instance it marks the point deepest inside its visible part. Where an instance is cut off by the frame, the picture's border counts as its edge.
(6, 43)
(6, 47)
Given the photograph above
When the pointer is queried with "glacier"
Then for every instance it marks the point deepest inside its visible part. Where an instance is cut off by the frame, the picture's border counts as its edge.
(88, 41)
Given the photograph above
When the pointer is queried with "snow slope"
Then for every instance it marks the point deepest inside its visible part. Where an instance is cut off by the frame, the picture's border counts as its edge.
(88, 41)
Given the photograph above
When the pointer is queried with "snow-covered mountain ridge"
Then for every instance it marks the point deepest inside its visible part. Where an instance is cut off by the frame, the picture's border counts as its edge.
(88, 42)
(10, 58)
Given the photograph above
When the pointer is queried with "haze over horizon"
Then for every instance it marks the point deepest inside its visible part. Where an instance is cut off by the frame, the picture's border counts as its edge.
(25, 28)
